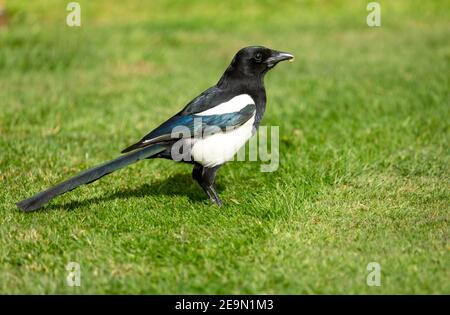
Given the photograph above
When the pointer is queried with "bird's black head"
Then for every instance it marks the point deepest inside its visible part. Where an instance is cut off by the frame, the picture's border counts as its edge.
(255, 61)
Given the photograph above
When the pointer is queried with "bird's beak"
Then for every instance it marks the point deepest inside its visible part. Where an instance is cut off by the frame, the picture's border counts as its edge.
(278, 56)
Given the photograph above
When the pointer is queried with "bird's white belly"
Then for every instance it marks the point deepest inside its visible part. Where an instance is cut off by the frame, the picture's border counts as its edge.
(219, 148)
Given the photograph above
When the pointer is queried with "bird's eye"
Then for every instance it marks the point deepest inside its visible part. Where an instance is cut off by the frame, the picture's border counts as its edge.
(258, 57)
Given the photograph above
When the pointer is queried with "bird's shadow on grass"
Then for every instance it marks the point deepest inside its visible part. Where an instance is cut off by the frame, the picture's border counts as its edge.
(177, 185)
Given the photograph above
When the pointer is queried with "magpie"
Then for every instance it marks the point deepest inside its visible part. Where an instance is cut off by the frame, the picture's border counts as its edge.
(207, 132)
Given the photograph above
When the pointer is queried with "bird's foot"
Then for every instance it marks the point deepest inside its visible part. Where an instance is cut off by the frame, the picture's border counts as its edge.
(216, 197)
(212, 194)
(218, 201)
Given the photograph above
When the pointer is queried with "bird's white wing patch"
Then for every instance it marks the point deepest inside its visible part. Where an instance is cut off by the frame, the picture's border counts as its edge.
(234, 105)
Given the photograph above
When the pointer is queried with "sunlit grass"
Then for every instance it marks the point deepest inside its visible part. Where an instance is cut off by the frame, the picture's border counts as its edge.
(363, 116)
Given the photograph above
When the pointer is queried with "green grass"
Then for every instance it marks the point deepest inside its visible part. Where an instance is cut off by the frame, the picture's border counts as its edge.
(364, 128)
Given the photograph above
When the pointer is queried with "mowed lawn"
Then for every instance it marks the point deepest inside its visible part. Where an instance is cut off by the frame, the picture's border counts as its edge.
(363, 115)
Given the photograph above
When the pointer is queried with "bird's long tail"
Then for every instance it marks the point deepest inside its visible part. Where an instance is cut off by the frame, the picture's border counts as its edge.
(88, 176)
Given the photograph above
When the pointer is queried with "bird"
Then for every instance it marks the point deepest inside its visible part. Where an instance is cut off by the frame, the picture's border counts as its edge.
(206, 133)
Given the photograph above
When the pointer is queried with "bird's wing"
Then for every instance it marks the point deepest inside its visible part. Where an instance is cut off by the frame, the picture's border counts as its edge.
(208, 99)
(193, 125)
(217, 101)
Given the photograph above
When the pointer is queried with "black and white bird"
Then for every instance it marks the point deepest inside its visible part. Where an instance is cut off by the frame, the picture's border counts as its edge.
(207, 132)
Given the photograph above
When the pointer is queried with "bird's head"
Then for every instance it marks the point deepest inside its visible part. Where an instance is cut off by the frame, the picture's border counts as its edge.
(257, 60)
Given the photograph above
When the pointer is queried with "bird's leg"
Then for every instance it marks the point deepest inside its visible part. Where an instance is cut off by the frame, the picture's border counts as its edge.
(205, 177)
(218, 201)
(197, 175)
(208, 178)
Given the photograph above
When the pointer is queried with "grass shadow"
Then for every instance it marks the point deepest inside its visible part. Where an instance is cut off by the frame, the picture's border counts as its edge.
(177, 185)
